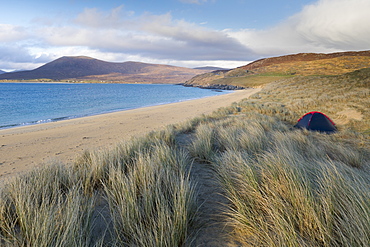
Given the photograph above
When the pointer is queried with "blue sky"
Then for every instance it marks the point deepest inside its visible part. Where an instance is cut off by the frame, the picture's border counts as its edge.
(189, 33)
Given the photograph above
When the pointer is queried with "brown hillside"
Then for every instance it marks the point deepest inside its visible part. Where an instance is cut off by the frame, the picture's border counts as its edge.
(302, 57)
(267, 70)
(326, 66)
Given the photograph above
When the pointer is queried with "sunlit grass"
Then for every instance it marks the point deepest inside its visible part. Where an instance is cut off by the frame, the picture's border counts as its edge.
(144, 182)
(289, 187)
(285, 187)
(46, 208)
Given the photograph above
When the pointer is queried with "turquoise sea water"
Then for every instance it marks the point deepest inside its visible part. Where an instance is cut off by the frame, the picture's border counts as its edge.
(33, 103)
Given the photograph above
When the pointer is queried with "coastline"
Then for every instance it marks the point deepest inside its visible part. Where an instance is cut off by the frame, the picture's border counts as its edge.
(76, 100)
(24, 148)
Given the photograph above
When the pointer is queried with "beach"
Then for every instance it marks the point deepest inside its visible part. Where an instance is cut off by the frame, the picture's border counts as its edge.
(24, 148)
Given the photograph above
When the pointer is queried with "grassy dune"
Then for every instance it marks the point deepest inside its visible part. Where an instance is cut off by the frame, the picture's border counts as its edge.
(288, 187)
(344, 98)
(143, 184)
(285, 187)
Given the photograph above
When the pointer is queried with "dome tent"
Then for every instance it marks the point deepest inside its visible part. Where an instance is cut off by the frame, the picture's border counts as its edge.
(316, 121)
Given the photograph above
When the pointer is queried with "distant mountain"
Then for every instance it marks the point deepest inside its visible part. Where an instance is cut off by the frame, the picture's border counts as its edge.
(89, 69)
(271, 69)
(2, 72)
(19, 70)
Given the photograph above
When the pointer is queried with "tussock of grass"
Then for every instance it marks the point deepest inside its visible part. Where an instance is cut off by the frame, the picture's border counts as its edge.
(46, 208)
(203, 146)
(152, 203)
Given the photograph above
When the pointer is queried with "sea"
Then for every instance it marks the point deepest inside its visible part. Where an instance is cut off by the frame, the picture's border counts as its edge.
(24, 104)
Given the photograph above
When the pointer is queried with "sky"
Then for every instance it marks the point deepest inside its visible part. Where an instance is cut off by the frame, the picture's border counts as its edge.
(187, 33)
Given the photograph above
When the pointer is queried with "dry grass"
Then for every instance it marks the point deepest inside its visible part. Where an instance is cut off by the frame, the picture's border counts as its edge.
(144, 182)
(288, 188)
(152, 202)
(332, 66)
(285, 187)
(289, 99)
(46, 208)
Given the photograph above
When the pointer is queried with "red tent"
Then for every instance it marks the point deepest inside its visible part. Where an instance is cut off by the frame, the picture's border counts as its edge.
(316, 121)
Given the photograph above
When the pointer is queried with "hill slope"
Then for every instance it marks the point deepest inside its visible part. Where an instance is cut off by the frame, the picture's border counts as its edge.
(270, 69)
(211, 68)
(90, 69)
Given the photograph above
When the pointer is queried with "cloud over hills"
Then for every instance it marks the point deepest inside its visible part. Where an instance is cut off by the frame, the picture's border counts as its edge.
(325, 26)
(121, 34)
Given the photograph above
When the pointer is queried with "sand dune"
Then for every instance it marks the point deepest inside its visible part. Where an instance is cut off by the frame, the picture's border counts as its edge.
(23, 148)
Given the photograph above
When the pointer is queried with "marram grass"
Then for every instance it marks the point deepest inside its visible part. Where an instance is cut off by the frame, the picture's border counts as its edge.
(152, 203)
(285, 187)
(290, 187)
(46, 208)
(150, 198)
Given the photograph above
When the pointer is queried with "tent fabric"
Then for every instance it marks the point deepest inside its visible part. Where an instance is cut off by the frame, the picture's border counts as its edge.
(316, 121)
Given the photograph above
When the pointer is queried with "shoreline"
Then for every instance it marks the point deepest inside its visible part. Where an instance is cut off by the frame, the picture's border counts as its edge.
(25, 147)
(46, 121)
(20, 121)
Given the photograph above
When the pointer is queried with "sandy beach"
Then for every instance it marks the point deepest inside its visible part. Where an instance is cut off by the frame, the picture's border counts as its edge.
(23, 148)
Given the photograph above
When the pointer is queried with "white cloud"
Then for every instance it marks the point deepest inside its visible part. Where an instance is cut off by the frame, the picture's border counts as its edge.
(155, 36)
(341, 24)
(325, 26)
(120, 34)
(11, 33)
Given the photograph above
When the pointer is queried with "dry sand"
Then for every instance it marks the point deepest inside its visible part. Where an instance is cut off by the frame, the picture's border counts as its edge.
(23, 148)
